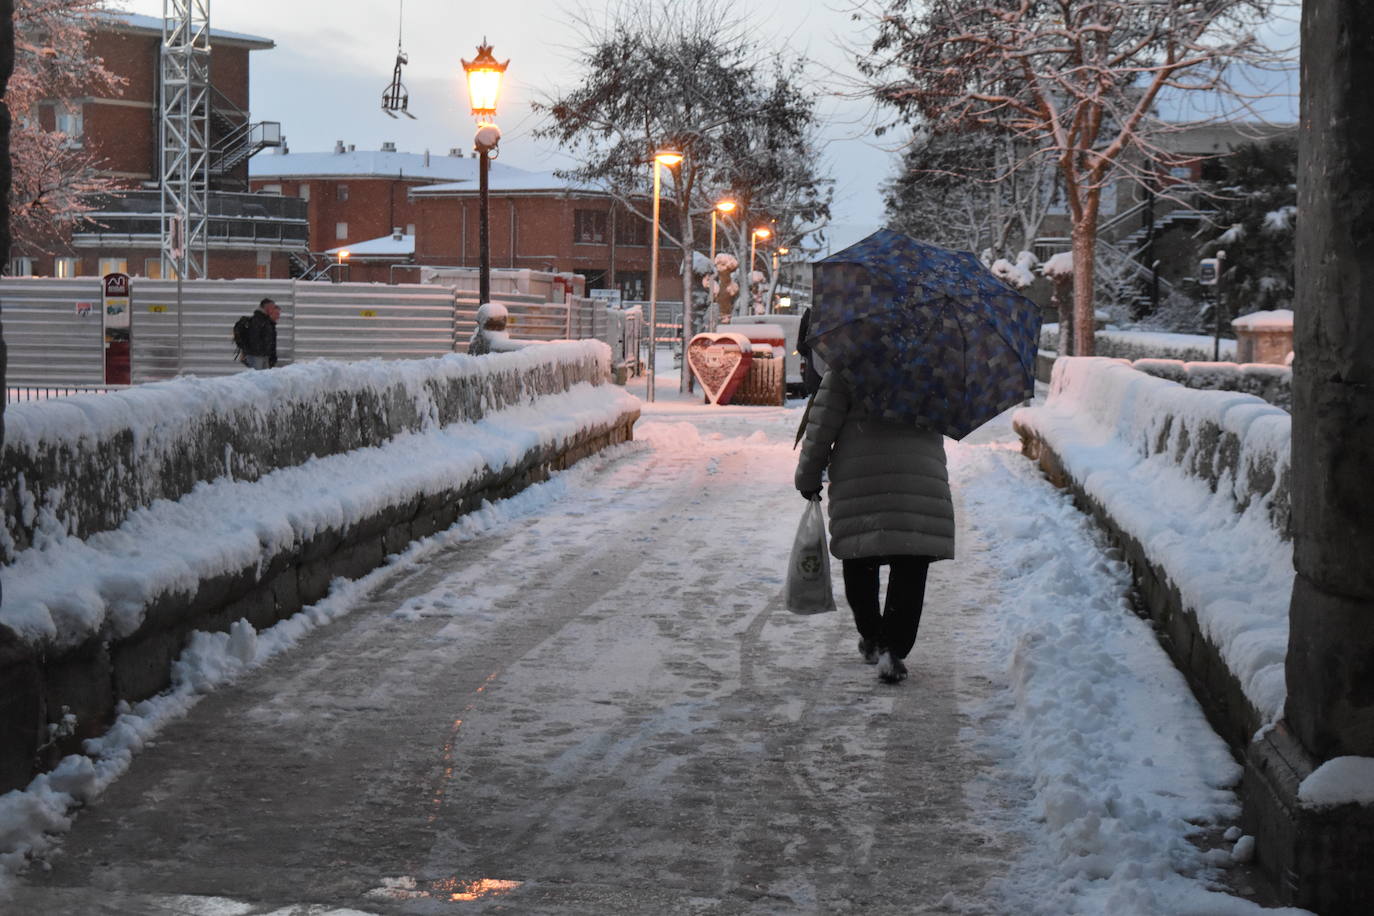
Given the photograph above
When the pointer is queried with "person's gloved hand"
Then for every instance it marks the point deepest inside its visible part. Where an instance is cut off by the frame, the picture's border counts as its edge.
(813, 495)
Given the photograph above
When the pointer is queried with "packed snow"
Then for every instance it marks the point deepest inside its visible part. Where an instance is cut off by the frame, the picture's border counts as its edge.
(1118, 774)
(1339, 781)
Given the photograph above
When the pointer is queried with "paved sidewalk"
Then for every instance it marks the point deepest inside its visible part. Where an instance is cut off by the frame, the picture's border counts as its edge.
(536, 721)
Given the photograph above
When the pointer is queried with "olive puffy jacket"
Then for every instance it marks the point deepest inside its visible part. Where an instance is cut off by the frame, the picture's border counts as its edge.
(889, 487)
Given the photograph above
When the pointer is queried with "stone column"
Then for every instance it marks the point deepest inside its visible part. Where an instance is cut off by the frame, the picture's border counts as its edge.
(1330, 666)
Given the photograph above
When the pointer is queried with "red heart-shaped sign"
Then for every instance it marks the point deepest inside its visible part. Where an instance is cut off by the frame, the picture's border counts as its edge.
(720, 362)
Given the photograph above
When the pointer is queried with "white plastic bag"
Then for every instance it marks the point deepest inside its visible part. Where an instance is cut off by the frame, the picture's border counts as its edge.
(808, 571)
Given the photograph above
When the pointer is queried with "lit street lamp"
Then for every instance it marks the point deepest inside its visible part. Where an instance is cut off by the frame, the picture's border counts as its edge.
(724, 206)
(343, 256)
(484, 74)
(761, 232)
(777, 253)
(670, 158)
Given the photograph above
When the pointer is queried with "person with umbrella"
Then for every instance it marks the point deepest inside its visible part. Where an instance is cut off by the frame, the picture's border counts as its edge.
(921, 343)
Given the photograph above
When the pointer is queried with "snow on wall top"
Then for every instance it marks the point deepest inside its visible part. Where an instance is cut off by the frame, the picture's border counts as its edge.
(1276, 320)
(1200, 480)
(78, 465)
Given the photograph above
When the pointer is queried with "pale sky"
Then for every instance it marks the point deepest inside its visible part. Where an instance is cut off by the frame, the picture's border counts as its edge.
(333, 58)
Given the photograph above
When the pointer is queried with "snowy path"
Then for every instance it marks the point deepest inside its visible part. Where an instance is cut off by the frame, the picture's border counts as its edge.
(593, 701)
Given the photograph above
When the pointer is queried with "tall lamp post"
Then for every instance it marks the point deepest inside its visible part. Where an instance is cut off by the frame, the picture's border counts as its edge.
(484, 74)
(663, 157)
(724, 206)
(777, 253)
(761, 232)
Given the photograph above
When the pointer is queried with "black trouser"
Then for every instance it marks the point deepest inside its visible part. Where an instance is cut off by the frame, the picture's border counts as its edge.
(895, 628)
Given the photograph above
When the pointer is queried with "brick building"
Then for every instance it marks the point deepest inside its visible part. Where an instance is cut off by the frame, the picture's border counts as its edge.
(539, 221)
(248, 236)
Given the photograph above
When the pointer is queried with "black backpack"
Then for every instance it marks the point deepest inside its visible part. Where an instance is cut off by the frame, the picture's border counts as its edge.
(241, 336)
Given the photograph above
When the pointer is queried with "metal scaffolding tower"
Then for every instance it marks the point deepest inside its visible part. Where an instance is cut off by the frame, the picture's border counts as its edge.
(185, 135)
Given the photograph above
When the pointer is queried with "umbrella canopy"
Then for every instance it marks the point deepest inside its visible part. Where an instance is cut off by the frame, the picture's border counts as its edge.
(923, 334)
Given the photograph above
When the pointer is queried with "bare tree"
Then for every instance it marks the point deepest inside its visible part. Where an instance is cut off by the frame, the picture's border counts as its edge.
(53, 170)
(1078, 81)
(688, 74)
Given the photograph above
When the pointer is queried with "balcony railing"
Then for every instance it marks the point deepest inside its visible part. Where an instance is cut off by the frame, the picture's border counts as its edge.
(233, 218)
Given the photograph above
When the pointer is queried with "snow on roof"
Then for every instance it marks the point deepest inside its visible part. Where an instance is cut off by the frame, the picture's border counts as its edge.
(134, 22)
(383, 246)
(378, 164)
(515, 180)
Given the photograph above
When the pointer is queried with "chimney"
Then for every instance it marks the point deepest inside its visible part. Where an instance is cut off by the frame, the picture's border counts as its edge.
(352, 147)
(388, 146)
(474, 154)
(426, 158)
(396, 233)
(455, 151)
(338, 146)
(283, 149)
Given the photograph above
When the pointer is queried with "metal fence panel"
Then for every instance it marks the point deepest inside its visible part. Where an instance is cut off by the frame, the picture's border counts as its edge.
(209, 309)
(364, 320)
(51, 339)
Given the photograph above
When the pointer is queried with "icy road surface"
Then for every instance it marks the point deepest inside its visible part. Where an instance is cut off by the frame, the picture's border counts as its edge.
(591, 700)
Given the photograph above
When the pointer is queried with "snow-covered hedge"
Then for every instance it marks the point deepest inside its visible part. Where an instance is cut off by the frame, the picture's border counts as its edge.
(79, 465)
(1199, 480)
(1146, 345)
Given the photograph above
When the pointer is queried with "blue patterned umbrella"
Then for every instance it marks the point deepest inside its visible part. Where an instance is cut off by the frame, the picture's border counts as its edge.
(923, 334)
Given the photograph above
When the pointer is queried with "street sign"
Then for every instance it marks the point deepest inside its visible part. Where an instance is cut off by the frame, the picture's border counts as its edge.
(1208, 269)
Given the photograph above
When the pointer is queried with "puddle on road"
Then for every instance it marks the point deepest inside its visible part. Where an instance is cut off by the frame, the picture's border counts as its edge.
(454, 889)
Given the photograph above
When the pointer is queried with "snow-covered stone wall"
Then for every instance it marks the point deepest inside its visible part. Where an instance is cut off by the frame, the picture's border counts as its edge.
(1194, 486)
(231, 504)
(78, 465)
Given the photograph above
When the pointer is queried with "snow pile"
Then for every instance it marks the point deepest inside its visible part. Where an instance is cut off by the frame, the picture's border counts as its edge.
(1199, 479)
(1339, 781)
(68, 588)
(81, 464)
(1059, 265)
(1124, 771)
(1275, 320)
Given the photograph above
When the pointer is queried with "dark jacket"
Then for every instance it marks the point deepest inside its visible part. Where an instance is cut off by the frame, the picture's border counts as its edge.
(261, 337)
(811, 376)
(889, 489)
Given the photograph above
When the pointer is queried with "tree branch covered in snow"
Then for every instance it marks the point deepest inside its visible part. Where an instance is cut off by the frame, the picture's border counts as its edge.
(691, 75)
(1076, 81)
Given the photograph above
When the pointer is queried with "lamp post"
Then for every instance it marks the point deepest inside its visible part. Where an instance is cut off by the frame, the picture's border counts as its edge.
(724, 206)
(761, 232)
(484, 74)
(343, 257)
(662, 157)
(777, 253)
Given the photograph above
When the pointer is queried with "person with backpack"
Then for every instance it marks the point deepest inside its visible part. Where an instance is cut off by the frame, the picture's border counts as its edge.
(255, 336)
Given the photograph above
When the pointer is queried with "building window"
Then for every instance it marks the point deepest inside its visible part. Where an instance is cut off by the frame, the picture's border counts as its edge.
(65, 267)
(589, 226)
(341, 231)
(20, 267)
(152, 268)
(633, 284)
(270, 189)
(69, 121)
(114, 266)
(341, 192)
(410, 229)
(305, 190)
(631, 229)
(264, 265)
